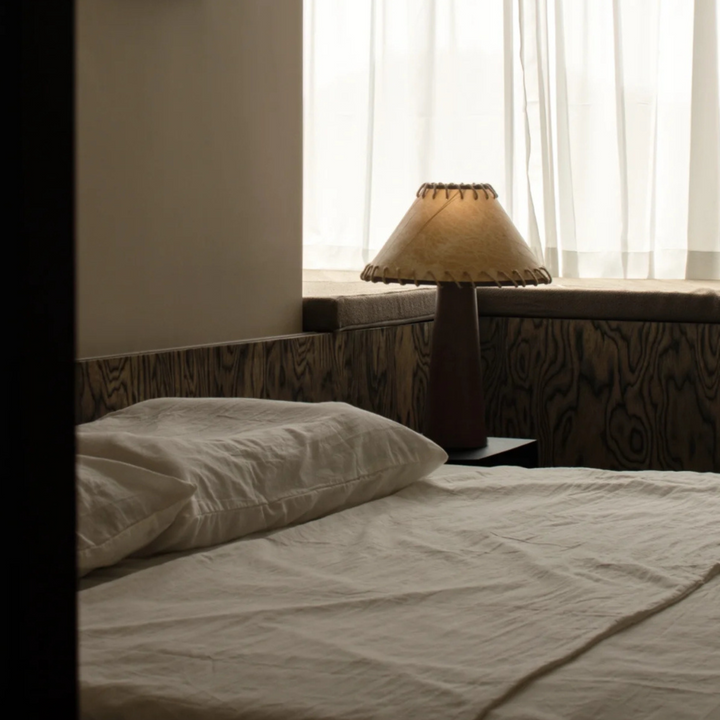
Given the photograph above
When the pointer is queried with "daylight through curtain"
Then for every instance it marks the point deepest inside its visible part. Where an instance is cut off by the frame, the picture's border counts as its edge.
(598, 123)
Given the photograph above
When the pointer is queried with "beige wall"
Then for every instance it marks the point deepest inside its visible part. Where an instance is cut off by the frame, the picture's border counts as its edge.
(189, 162)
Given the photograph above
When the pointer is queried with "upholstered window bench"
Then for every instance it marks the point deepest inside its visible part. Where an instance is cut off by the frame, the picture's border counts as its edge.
(604, 373)
(341, 301)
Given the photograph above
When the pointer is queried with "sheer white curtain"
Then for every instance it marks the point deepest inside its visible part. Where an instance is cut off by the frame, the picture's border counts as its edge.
(597, 121)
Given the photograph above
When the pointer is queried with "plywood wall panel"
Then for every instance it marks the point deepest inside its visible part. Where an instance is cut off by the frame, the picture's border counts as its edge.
(619, 395)
(606, 394)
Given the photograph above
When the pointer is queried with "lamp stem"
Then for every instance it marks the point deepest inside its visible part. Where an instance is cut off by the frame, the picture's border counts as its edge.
(455, 408)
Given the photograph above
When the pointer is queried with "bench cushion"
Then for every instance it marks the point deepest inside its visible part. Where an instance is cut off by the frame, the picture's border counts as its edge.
(341, 301)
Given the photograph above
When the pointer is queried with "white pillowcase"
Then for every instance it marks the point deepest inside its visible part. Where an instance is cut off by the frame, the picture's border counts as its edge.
(260, 464)
(121, 508)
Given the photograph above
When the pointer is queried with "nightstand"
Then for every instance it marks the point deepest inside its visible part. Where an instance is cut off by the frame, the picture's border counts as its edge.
(499, 451)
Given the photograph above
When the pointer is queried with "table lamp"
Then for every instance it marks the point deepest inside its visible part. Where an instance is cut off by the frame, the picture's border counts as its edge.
(456, 236)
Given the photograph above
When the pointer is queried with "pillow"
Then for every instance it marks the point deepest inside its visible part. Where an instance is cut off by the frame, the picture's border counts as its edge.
(260, 464)
(121, 508)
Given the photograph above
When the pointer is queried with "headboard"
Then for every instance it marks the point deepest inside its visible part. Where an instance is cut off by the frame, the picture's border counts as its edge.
(383, 370)
(611, 394)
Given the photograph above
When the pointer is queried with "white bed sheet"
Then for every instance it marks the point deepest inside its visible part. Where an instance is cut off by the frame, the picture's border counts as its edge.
(664, 668)
(459, 597)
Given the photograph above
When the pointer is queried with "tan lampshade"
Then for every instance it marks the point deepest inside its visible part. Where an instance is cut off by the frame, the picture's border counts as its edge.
(456, 233)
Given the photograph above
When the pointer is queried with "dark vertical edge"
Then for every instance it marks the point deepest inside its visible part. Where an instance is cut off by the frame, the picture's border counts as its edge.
(43, 585)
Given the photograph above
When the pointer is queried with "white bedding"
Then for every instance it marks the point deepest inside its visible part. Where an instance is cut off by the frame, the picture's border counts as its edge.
(253, 465)
(443, 601)
(664, 668)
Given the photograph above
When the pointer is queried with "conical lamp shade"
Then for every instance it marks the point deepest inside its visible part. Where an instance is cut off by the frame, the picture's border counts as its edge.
(456, 233)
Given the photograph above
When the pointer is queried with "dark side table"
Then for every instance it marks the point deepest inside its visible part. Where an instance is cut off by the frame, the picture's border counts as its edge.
(499, 451)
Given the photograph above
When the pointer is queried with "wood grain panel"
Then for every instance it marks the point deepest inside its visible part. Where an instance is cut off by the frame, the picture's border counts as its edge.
(607, 394)
(618, 395)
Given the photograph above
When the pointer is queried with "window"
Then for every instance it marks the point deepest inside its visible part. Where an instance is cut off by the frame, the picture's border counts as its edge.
(598, 123)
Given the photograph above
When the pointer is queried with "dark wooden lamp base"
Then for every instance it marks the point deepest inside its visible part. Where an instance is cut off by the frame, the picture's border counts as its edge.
(455, 410)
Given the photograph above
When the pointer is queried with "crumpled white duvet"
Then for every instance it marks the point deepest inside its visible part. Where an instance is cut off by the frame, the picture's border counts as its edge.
(442, 601)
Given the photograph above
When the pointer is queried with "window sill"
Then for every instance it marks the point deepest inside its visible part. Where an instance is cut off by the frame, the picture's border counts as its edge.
(335, 300)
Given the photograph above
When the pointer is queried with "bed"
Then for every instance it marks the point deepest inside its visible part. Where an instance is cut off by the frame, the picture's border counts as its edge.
(318, 562)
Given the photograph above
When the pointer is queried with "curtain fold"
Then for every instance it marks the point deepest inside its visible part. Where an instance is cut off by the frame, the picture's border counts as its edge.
(597, 122)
